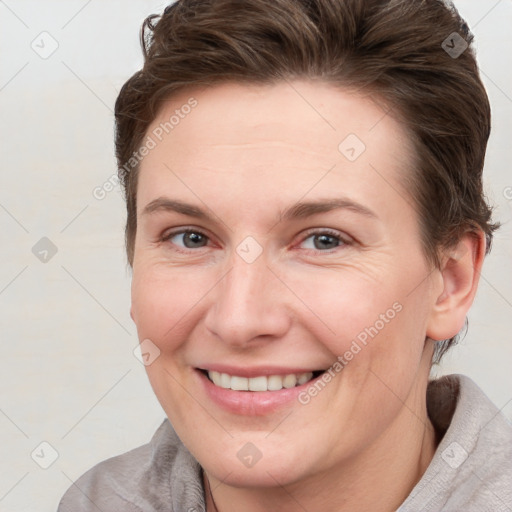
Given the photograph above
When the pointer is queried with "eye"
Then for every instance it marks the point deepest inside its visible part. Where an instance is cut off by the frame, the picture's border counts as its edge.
(325, 240)
(190, 238)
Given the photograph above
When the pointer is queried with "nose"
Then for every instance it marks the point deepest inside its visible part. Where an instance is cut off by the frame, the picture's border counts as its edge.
(249, 304)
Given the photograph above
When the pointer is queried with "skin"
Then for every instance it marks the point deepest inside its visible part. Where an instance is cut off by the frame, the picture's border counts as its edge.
(245, 154)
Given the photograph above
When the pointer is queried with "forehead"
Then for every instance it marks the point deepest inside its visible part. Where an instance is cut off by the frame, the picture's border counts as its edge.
(265, 137)
(309, 108)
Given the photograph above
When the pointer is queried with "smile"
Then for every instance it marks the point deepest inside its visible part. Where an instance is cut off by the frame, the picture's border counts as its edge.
(255, 392)
(260, 383)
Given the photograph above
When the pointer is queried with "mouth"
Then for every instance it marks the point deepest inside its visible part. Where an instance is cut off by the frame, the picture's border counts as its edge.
(256, 392)
(260, 383)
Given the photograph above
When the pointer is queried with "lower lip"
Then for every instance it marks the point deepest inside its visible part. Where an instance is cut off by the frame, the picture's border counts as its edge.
(252, 403)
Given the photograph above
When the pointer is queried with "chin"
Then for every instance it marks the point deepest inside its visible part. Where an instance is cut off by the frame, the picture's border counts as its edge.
(261, 475)
(249, 466)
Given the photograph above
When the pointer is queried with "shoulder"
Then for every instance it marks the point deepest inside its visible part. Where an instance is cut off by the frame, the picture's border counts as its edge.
(148, 478)
(485, 434)
(472, 467)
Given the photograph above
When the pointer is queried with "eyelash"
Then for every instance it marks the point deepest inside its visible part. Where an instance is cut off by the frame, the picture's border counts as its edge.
(344, 241)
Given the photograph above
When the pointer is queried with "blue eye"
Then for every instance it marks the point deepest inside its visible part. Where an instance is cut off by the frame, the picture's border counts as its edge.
(191, 238)
(324, 240)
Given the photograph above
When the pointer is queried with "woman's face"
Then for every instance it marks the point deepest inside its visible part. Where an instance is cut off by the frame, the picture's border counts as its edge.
(271, 285)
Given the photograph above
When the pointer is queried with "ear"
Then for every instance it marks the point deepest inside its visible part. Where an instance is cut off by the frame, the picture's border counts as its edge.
(460, 272)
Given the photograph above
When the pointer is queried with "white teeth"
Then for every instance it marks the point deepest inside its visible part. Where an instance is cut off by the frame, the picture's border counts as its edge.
(240, 383)
(274, 383)
(303, 378)
(270, 383)
(215, 376)
(289, 381)
(225, 381)
(258, 384)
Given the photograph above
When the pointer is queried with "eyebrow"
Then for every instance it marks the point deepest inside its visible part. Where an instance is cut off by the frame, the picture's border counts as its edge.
(299, 210)
(308, 208)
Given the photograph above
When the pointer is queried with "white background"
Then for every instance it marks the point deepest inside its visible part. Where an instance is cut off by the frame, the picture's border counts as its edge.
(68, 373)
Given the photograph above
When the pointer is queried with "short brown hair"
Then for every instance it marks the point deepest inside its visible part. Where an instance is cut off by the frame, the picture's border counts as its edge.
(411, 54)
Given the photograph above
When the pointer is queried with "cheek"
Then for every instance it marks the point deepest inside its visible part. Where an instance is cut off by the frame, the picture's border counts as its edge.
(164, 303)
(345, 309)
(163, 308)
(346, 304)
(370, 323)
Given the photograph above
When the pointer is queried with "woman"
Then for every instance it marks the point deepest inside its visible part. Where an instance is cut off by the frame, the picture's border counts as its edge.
(306, 227)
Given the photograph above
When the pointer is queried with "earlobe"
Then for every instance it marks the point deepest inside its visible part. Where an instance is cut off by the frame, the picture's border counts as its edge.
(460, 274)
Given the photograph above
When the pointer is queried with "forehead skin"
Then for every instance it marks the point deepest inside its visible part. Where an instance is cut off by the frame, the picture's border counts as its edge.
(287, 138)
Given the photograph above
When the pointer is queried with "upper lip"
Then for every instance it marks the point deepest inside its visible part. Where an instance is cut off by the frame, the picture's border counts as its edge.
(256, 371)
